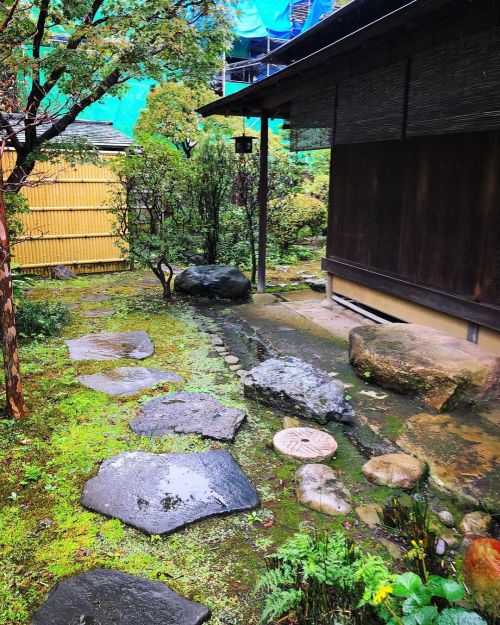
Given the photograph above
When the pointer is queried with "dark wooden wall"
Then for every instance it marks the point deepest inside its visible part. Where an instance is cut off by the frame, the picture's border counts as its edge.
(426, 212)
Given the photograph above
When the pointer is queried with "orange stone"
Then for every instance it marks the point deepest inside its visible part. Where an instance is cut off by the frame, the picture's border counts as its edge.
(481, 570)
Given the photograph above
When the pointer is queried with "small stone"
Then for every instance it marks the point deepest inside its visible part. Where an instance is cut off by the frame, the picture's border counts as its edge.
(446, 518)
(60, 272)
(306, 444)
(105, 597)
(216, 340)
(235, 367)
(290, 422)
(221, 349)
(263, 299)
(394, 470)
(441, 547)
(232, 360)
(392, 548)
(241, 372)
(477, 524)
(450, 539)
(318, 488)
(370, 514)
(481, 571)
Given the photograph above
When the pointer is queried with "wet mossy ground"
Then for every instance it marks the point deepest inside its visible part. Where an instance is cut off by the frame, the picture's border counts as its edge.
(46, 535)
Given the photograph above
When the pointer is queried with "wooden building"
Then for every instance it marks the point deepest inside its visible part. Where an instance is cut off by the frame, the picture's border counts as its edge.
(69, 223)
(407, 96)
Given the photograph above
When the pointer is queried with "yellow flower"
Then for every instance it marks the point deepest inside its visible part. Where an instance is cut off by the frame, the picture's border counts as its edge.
(381, 594)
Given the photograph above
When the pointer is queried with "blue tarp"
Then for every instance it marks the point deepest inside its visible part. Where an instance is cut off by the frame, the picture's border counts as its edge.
(263, 18)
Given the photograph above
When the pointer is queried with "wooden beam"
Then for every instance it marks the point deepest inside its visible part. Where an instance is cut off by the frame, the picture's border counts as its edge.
(263, 191)
(483, 314)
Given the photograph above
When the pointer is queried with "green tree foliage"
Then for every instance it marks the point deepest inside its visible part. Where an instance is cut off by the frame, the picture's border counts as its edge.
(70, 54)
(154, 223)
(171, 113)
(302, 214)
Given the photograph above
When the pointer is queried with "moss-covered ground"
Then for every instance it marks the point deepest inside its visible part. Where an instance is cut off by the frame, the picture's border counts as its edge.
(46, 535)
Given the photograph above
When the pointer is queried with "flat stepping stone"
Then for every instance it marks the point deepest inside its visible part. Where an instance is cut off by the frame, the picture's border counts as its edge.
(305, 444)
(189, 413)
(127, 380)
(96, 298)
(105, 597)
(161, 493)
(394, 470)
(98, 313)
(111, 346)
(319, 488)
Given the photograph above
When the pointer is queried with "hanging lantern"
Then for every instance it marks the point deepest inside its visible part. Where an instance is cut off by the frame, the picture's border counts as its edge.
(243, 144)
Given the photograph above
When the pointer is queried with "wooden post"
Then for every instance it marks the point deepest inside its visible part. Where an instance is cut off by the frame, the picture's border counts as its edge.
(263, 190)
(16, 408)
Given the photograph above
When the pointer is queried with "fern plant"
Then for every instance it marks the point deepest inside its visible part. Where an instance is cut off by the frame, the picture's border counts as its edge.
(322, 580)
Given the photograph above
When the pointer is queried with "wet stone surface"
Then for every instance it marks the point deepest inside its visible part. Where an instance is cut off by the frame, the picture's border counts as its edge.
(161, 493)
(96, 298)
(98, 313)
(127, 380)
(295, 386)
(187, 413)
(111, 346)
(105, 597)
(318, 488)
(305, 444)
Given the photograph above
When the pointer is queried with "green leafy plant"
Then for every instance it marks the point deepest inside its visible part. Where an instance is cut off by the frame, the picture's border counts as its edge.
(322, 580)
(35, 319)
(411, 601)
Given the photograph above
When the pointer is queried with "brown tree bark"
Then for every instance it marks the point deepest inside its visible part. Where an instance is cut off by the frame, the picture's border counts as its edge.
(16, 408)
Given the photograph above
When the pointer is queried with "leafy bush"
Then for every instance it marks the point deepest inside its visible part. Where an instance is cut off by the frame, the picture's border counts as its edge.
(322, 580)
(300, 214)
(36, 319)
(411, 601)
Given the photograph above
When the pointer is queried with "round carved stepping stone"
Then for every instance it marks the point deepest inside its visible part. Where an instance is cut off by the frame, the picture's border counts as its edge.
(161, 493)
(98, 313)
(318, 488)
(394, 470)
(105, 597)
(111, 346)
(127, 380)
(305, 444)
(232, 360)
(96, 298)
(188, 413)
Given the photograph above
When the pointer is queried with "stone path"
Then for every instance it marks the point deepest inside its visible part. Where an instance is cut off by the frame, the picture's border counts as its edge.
(98, 313)
(104, 597)
(161, 493)
(187, 413)
(111, 346)
(125, 381)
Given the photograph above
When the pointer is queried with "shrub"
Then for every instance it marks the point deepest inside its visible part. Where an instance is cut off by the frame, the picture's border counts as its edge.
(300, 214)
(322, 580)
(36, 319)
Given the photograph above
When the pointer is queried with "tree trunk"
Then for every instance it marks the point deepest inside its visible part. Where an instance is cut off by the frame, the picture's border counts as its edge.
(165, 281)
(22, 169)
(16, 408)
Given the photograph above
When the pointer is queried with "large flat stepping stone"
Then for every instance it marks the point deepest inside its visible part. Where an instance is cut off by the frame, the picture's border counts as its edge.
(91, 314)
(462, 453)
(111, 346)
(409, 358)
(125, 381)
(306, 444)
(189, 413)
(294, 386)
(96, 298)
(319, 488)
(105, 597)
(161, 493)
(394, 470)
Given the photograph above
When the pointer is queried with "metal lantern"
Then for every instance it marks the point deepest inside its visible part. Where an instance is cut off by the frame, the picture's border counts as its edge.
(243, 144)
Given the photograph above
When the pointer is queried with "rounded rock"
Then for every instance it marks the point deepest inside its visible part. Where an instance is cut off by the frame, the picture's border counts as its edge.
(477, 524)
(394, 470)
(446, 518)
(306, 444)
(481, 570)
(319, 489)
(232, 360)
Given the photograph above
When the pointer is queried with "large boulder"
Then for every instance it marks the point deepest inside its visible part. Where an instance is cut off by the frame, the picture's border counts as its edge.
(296, 387)
(418, 360)
(213, 281)
(481, 571)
